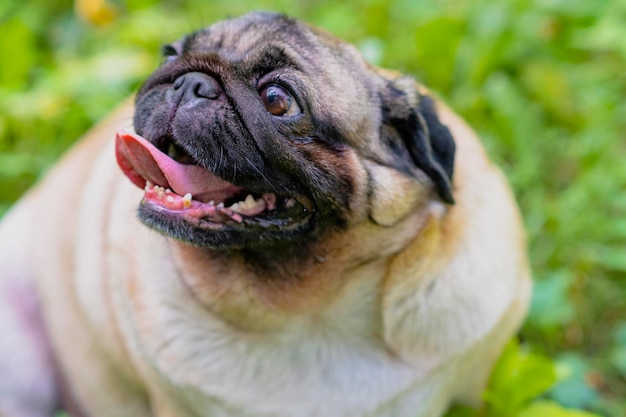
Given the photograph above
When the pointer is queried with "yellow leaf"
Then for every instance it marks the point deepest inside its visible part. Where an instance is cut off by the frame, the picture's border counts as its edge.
(96, 12)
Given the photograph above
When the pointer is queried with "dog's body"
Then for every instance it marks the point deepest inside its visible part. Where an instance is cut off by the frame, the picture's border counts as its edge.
(397, 304)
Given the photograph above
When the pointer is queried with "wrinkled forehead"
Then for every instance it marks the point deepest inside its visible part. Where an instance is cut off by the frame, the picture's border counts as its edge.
(260, 36)
(242, 38)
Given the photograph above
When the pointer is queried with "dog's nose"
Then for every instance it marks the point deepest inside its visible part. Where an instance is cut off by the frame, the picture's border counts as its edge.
(196, 85)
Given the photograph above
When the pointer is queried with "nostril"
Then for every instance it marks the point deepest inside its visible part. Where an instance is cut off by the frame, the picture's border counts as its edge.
(196, 85)
(179, 82)
(207, 90)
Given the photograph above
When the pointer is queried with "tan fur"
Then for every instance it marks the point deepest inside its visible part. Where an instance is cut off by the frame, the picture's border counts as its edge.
(400, 314)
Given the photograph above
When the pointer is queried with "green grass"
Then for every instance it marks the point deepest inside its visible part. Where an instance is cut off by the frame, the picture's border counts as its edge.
(542, 81)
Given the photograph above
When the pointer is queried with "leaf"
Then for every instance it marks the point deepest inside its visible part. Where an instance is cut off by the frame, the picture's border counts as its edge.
(461, 411)
(573, 390)
(549, 85)
(17, 41)
(611, 257)
(550, 305)
(14, 164)
(519, 376)
(4, 208)
(436, 43)
(618, 355)
(618, 358)
(619, 334)
(552, 409)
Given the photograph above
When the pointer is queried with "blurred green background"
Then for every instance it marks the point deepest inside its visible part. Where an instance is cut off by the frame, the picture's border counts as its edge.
(542, 81)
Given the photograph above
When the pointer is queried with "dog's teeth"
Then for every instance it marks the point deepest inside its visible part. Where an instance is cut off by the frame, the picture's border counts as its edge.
(148, 186)
(170, 199)
(187, 200)
(220, 205)
(249, 206)
(250, 201)
(160, 191)
(211, 203)
(168, 191)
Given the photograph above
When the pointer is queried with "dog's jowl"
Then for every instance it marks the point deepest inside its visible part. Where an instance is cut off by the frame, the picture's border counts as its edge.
(286, 231)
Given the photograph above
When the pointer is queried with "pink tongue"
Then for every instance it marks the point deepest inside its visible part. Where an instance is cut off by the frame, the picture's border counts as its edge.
(141, 161)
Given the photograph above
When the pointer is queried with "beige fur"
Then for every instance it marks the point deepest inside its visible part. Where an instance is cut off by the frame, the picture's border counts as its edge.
(401, 316)
(403, 336)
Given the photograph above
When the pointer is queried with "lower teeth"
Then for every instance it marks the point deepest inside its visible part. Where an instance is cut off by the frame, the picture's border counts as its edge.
(249, 207)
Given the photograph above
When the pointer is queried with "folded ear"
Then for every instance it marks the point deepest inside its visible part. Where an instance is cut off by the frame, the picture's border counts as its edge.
(414, 118)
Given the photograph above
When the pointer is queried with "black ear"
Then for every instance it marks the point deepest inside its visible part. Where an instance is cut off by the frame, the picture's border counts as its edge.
(429, 143)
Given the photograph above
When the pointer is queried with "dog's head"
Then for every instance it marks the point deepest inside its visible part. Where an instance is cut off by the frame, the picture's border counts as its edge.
(262, 132)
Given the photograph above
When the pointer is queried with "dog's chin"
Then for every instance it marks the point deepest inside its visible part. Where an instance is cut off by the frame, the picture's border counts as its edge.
(286, 221)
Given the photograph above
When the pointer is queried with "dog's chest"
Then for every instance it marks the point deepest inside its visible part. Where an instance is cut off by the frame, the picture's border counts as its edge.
(305, 373)
(332, 363)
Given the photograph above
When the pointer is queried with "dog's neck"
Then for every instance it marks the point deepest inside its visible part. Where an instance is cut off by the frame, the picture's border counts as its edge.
(336, 276)
(255, 301)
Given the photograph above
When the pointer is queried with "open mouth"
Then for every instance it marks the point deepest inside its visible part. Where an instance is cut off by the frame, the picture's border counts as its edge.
(177, 188)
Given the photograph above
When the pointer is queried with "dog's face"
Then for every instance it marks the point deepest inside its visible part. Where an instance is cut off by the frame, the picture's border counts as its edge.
(272, 134)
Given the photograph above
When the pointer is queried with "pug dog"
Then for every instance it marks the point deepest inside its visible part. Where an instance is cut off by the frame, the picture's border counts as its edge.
(287, 231)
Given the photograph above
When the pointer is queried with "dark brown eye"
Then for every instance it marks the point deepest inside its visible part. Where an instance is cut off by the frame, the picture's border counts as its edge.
(279, 102)
(169, 53)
